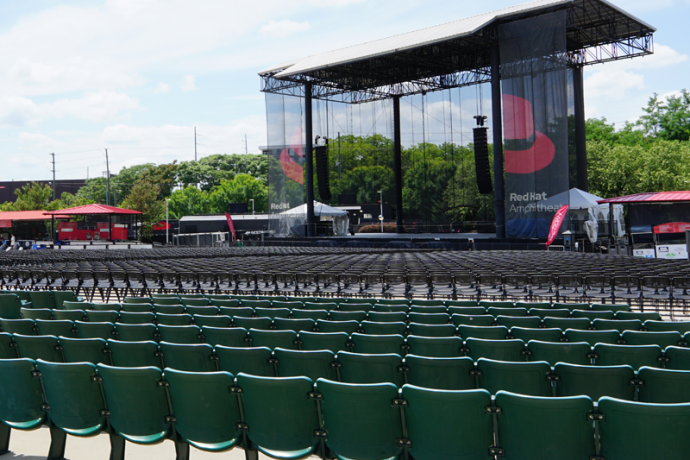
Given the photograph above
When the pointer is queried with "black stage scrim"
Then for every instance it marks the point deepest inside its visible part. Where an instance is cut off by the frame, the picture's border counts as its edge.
(535, 121)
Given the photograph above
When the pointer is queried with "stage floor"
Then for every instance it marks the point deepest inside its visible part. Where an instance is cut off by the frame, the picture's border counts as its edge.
(422, 236)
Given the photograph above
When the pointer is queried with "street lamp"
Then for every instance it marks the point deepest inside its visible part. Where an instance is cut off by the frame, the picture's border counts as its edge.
(380, 192)
(252, 200)
(167, 223)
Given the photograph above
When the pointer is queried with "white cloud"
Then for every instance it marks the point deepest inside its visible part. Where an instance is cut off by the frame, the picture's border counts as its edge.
(162, 88)
(612, 84)
(280, 29)
(188, 83)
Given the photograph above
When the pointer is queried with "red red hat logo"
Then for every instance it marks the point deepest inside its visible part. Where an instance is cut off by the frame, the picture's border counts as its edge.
(529, 150)
(292, 158)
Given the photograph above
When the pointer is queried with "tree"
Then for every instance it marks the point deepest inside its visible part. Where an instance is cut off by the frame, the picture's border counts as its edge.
(209, 171)
(33, 196)
(669, 120)
(144, 198)
(93, 190)
(188, 202)
(241, 189)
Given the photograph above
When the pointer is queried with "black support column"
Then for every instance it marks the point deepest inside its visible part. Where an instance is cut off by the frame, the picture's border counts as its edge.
(580, 129)
(308, 159)
(497, 117)
(397, 166)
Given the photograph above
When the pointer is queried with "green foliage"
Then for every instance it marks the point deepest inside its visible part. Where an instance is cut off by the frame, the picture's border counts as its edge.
(188, 202)
(209, 171)
(669, 120)
(239, 190)
(32, 197)
(144, 197)
(93, 190)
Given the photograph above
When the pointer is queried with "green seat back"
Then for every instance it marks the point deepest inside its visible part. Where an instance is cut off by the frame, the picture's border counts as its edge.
(139, 416)
(660, 326)
(11, 306)
(617, 324)
(360, 420)
(292, 324)
(540, 428)
(128, 317)
(483, 332)
(88, 330)
(217, 296)
(348, 327)
(567, 323)
(58, 328)
(19, 326)
(531, 305)
(272, 313)
(472, 311)
(21, 396)
(393, 301)
(70, 315)
(234, 312)
(592, 337)
(96, 316)
(85, 350)
(332, 341)
(570, 306)
(414, 308)
(429, 318)
(194, 357)
(519, 321)
(549, 313)
(227, 303)
(385, 308)
(67, 305)
(310, 314)
(545, 335)
(610, 307)
(434, 418)
(387, 317)
(137, 307)
(593, 314)
(664, 386)
(133, 299)
(24, 296)
(432, 330)
(328, 306)
(41, 299)
(663, 339)
(678, 358)
(136, 332)
(256, 303)
(226, 336)
(135, 354)
(34, 313)
(192, 296)
(497, 311)
(377, 328)
(440, 373)
(273, 339)
(462, 303)
(378, 344)
(169, 309)
(207, 310)
(427, 303)
(362, 368)
(473, 320)
(74, 396)
(174, 320)
(632, 355)
(290, 305)
(252, 323)
(496, 304)
(180, 334)
(60, 297)
(641, 315)
(435, 347)
(159, 301)
(595, 381)
(563, 352)
(106, 306)
(212, 320)
(358, 315)
(352, 307)
(312, 364)
(501, 350)
(207, 414)
(45, 347)
(517, 377)
(7, 349)
(254, 361)
(637, 430)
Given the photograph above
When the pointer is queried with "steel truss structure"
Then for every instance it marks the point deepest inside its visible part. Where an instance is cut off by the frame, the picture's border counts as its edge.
(596, 33)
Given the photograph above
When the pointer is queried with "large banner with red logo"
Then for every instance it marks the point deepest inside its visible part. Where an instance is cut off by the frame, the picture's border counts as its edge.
(535, 122)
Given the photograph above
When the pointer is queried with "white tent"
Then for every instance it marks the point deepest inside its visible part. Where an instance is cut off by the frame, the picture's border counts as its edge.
(293, 220)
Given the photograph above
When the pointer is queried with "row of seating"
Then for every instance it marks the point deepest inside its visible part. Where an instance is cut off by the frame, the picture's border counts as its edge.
(293, 418)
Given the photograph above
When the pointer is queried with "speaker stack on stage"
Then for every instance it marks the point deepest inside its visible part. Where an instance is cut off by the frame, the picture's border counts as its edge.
(481, 157)
(321, 154)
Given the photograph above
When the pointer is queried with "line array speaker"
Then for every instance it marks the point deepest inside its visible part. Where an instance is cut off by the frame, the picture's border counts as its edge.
(481, 161)
(321, 154)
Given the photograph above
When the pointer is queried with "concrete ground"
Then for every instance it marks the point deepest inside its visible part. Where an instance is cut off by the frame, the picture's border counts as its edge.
(33, 445)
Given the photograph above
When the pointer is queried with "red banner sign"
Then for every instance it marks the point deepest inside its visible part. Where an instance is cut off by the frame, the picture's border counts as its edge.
(556, 224)
(5, 223)
(672, 227)
(231, 225)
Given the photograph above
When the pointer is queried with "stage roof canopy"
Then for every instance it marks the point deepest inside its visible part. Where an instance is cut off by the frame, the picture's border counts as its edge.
(650, 198)
(455, 54)
(93, 209)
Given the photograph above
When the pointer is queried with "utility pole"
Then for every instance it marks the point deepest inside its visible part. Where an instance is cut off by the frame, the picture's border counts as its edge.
(246, 149)
(195, 144)
(54, 190)
(107, 175)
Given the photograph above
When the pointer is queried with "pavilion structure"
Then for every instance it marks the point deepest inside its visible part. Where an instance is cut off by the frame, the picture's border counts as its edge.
(95, 210)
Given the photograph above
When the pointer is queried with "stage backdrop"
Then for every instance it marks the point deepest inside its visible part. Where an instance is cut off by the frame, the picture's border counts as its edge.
(535, 122)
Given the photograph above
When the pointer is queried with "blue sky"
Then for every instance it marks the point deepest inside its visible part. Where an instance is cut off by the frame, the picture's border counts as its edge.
(135, 76)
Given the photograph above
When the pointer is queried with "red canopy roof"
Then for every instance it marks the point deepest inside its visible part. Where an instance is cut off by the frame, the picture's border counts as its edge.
(650, 197)
(93, 209)
(25, 215)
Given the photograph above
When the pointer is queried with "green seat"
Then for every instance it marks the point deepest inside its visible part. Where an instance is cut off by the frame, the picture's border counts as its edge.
(429, 318)
(206, 416)
(353, 307)
(563, 352)
(139, 300)
(137, 307)
(45, 347)
(255, 303)
(519, 321)
(376, 328)
(570, 306)
(462, 303)
(592, 337)
(41, 299)
(212, 321)
(254, 361)
(541, 428)
(383, 308)
(468, 311)
(34, 313)
(128, 317)
(206, 310)
(67, 305)
(473, 320)
(363, 368)
(24, 296)
(501, 350)
(595, 381)
(309, 314)
(332, 341)
(483, 332)
(414, 308)
(496, 304)
(272, 313)
(378, 344)
(291, 305)
(58, 328)
(226, 336)
(11, 306)
(85, 350)
(252, 323)
(431, 303)
(174, 320)
(297, 325)
(393, 302)
(361, 421)
(227, 303)
(661, 326)
(610, 307)
(328, 306)
(664, 386)
(60, 297)
(234, 312)
(435, 347)
(432, 330)
(638, 430)
(663, 339)
(314, 364)
(387, 317)
(196, 357)
(106, 306)
(141, 416)
(544, 335)
(19, 326)
(21, 398)
(617, 324)
(198, 295)
(159, 301)
(217, 296)
(348, 327)
(169, 309)
(70, 315)
(335, 300)
(549, 313)
(434, 418)
(7, 348)
(136, 332)
(531, 305)
(678, 358)
(518, 377)
(180, 334)
(632, 355)
(109, 316)
(268, 404)
(641, 315)
(498, 311)
(358, 316)
(567, 323)
(273, 339)
(592, 315)
(135, 354)
(440, 373)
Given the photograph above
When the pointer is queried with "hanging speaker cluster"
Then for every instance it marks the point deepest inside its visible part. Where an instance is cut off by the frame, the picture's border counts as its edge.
(321, 154)
(481, 160)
